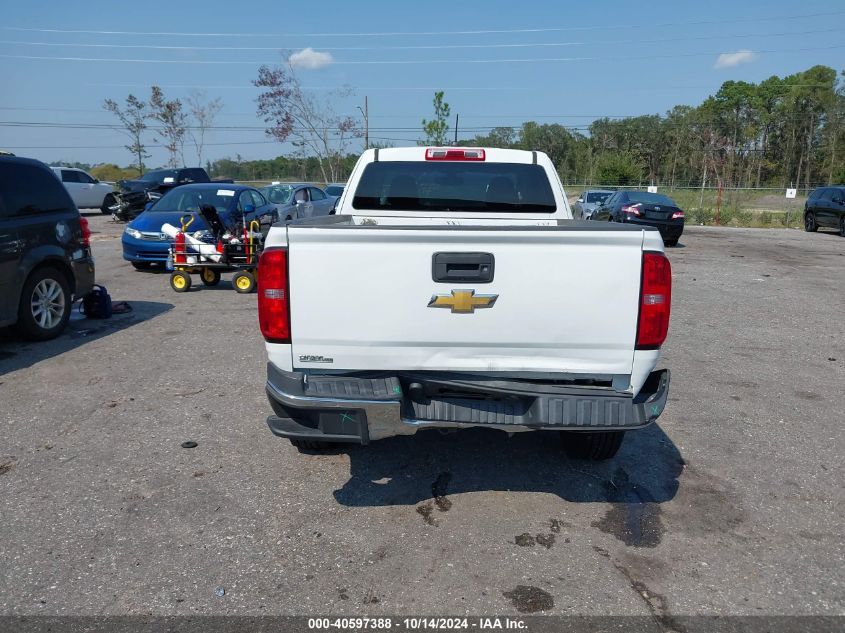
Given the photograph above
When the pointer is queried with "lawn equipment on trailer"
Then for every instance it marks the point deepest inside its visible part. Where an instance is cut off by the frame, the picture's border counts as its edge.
(210, 253)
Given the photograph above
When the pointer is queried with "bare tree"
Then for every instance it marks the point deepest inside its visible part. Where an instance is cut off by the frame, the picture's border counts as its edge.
(309, 122)
(134, 120)
(204, 113)
(174, 123)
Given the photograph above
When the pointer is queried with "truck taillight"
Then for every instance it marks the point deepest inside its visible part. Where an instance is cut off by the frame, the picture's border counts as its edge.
(447, 153)
(655, 301)
(86, 232)
(273, 297)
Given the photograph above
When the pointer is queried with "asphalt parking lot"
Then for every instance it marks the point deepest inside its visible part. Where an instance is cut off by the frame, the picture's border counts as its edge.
(732, 504)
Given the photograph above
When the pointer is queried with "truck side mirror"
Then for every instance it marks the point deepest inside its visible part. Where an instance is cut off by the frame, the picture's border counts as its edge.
(334, 206)
(249, 208)
(580, 200)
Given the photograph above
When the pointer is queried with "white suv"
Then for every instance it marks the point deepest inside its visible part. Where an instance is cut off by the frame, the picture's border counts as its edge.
(87, 192)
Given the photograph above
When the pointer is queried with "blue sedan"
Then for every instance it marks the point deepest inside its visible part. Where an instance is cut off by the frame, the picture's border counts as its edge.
(144, 244)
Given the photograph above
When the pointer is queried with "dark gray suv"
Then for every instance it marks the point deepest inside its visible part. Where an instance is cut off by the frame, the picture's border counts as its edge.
(45, 253)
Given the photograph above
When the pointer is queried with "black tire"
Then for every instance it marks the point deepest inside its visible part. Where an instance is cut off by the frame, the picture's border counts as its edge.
(142, 265)
(310, 445)
(108, 201)
(210, 276)
(243, 282)
(842, 226)
(810, 224)
(592, 446)
(49, 289)
(673, 242)
(180, 281)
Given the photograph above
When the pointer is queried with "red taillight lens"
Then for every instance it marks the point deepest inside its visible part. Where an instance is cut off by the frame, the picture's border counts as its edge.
(655, 301)
(678, 215)
(444, 153)
(633, 209)
(86, 232)
(273, 299)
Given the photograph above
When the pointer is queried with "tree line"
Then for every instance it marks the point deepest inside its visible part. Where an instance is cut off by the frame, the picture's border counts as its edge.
(781, 132)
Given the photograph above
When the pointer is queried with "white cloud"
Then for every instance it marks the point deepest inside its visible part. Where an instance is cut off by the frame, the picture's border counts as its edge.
(726, 60)
(310, 59)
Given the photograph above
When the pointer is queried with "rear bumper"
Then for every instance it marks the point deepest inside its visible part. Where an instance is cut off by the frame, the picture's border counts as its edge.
(83, 273)
(668, 229)
(367, 407)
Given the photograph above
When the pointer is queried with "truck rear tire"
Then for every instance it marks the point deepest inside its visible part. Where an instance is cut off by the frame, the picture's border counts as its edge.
(310, 445)
(592, 446)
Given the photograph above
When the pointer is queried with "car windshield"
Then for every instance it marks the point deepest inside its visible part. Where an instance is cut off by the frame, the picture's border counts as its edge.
(597, 196)
(159, 175)
(334, 190)
(454, 186)
(189, 200)
(650, 198)
(278, 194)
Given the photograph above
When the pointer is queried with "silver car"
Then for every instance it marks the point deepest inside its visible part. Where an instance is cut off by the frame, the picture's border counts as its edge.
(587, 202)
(85, 190)
(298, 200)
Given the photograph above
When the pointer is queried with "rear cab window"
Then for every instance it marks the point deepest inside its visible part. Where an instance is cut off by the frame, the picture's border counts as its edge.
(454, 186)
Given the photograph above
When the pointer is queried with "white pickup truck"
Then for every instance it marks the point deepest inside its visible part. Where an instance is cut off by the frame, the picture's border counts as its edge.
(453, 289)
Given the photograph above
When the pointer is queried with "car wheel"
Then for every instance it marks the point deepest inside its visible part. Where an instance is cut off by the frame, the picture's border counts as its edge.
(243, 282)
(810, 222)
(142, 265)
(45, 305)
(210, 276)
(310, 445)
(592, 446)
(108, 201)
(180, 281)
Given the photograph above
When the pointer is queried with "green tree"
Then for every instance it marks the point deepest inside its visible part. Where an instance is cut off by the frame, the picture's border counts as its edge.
(436, 129)
(134, 120)
(618, 168)
(174, 124)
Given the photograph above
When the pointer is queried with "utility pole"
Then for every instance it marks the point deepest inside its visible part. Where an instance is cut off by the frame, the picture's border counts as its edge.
(456, 128)
(366, 113)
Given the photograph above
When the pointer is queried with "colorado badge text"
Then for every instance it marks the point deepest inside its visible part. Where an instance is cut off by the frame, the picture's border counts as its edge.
(462, 301)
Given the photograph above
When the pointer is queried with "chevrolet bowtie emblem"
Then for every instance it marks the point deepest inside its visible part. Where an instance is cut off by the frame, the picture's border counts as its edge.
(462, 301)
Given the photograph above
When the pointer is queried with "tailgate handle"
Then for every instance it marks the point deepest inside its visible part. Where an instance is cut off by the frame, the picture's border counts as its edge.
(463, 267)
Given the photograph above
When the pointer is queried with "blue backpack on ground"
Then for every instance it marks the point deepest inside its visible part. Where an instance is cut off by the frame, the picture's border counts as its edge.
(97, 304)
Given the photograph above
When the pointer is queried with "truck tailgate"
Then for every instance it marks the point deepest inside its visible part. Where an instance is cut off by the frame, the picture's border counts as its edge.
(566, 299)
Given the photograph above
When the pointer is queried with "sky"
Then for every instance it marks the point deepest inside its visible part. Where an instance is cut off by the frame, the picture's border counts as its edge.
(499, 62)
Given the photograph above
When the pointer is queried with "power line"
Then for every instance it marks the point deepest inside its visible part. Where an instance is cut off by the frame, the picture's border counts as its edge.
(603, 27)
(420, 47)
(394, 62)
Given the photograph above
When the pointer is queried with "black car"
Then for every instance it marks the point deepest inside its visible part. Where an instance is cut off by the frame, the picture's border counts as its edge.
(641, 207)
(825, 208)
(134, 195)
(45, 254)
